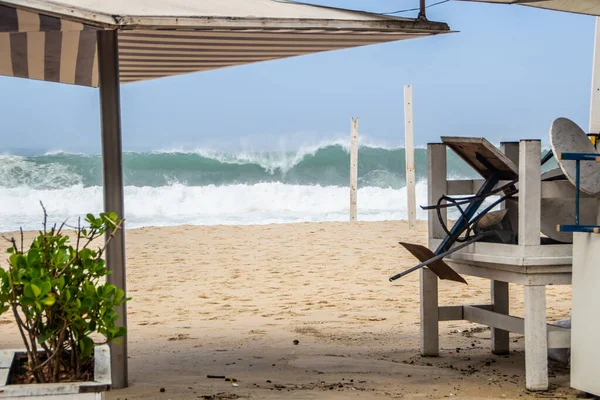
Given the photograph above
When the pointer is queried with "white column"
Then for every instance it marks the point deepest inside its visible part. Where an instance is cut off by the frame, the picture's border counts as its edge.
(353, 168)
(409, 152)
(112, 174)
(595, 95)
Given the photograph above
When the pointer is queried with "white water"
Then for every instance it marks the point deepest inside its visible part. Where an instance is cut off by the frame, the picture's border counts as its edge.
(178, 204)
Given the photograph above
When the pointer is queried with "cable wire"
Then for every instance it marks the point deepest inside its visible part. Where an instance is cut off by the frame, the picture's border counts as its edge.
(412, 9)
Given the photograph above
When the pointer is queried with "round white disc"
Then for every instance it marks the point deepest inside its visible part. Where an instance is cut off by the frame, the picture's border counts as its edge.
(567, 137)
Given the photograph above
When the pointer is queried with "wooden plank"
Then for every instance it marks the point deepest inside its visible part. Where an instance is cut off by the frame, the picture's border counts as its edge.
(550, 255)
(493, 319)
(529, 192)
(536, 339)
(353, 168)
(511, 151)
(450, 313)
(430, 345)
(456, 313)
(500, 299)
(467, 186)
(470, 149)
(436, 181)
(466, 268)
(409, 152)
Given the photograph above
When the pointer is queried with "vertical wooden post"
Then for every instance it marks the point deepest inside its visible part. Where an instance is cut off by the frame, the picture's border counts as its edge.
(530, 188)
(536, 343)
(595, 95)
(436, 178)
(499, 290)
(353, 168)
(409, 153)
(112, 174)
(500, 337)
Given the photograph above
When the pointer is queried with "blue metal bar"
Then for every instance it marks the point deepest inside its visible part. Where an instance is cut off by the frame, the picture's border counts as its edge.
(580, 156)
(579, 228)
(577, 185)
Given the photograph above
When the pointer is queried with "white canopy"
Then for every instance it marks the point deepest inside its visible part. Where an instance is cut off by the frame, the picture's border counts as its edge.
(590, 7)
(56, 40)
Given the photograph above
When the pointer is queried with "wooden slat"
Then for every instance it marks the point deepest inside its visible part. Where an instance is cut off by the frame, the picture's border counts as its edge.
(450, 313)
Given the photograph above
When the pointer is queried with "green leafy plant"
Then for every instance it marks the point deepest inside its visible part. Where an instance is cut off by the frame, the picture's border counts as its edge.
(57, 292)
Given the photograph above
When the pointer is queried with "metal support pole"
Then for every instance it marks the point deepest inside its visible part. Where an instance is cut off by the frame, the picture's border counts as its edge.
(112, 173)
(353, 168)
(409, 153)
(422, 8)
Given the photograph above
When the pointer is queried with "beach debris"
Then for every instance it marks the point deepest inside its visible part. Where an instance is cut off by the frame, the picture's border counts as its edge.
(215, 376)
(162, 390)
(220, 396)
(296, 342)
(231, 379)
(235, 384)
(268, 381)
(179, 336)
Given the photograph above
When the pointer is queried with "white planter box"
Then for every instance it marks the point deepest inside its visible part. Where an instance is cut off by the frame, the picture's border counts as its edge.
(93, 390)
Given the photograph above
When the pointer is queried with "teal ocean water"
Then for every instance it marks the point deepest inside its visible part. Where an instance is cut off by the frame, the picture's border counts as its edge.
(209, 187)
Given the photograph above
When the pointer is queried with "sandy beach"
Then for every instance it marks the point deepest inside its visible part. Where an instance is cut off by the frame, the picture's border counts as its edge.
(232, 301)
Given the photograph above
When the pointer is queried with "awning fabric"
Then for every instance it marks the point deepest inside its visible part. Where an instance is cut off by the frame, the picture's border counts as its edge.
(56, 41)
(589, 7)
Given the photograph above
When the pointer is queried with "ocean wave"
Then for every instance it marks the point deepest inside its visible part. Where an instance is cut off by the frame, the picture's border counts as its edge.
(325, 164)
(178, 204)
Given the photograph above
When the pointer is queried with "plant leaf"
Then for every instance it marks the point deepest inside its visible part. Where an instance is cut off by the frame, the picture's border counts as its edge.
(49, 301)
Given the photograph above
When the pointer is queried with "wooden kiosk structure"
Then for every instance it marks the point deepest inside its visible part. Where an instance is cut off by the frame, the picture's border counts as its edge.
(528, 263)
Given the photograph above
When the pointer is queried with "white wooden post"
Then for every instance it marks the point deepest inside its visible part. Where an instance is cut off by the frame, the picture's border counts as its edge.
(499, 289)
(595, 97)
(536, 342)
(353, 168)
(530, 188)
(409, 155)
(436, 178)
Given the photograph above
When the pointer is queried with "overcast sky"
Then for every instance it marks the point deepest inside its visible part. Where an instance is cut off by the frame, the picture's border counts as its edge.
(506, 75)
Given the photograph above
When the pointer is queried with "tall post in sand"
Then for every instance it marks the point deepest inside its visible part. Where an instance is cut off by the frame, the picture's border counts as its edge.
(409, 155)
(353, 168)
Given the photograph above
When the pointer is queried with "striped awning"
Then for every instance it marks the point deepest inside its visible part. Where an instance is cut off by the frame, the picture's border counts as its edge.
(56, 41)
